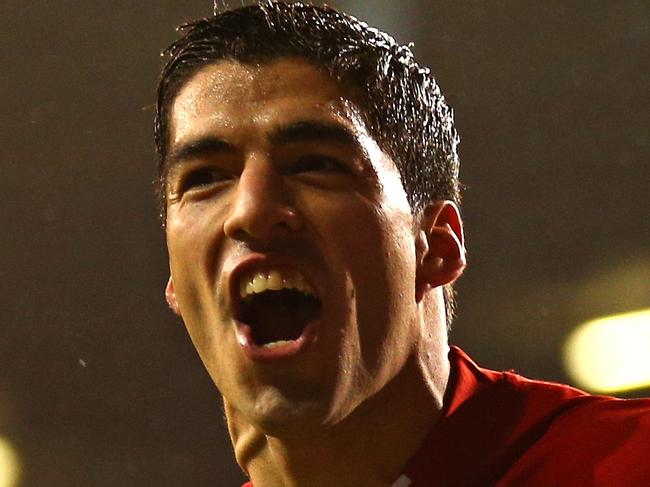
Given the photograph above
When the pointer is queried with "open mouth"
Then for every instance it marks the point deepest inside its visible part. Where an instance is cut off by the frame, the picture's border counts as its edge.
(278, 316)
(276, 308)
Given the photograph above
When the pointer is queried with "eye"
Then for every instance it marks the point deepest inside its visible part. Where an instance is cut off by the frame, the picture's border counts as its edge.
(201, 177)
(318, 162)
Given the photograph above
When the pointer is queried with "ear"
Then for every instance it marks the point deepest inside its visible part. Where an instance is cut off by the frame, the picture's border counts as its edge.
(170, 297)
(439, 246)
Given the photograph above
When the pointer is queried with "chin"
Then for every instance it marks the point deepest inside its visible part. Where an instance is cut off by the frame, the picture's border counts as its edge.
(276, 415)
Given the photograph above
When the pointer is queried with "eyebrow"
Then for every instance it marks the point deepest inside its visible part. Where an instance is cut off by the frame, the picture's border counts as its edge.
(313, 131)
(301, 131)
(196, 148)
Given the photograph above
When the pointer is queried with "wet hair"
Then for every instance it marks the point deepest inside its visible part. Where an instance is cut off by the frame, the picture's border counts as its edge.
(399, 101)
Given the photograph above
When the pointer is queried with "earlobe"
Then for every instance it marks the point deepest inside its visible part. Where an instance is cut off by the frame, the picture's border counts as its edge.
(170, 297)
(440, 246)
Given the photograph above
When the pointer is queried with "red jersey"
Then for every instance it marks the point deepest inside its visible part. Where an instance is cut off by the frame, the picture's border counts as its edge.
(501, 429)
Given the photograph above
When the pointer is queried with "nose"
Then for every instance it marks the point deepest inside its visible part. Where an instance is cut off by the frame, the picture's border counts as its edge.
(262, 210)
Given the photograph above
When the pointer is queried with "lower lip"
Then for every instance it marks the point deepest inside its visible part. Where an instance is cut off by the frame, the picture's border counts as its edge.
(279, 352)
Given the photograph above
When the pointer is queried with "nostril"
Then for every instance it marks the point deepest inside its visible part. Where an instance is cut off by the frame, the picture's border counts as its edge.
(289, 220)
(239, 235)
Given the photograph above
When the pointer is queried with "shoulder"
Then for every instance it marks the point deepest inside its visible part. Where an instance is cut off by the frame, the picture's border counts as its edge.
(554, 434)
(586, 440)
(506, 391)
(600, 442)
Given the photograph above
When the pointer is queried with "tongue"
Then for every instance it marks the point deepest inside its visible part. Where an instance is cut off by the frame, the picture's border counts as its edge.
(279, 315)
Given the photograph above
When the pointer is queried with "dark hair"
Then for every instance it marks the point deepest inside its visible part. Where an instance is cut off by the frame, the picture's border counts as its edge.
(399, 101)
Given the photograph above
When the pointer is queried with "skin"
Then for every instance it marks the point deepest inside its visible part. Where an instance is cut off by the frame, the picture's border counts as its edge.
(343, 218)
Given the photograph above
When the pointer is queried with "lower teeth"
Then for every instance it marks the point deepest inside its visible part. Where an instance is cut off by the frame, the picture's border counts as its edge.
(279, 343)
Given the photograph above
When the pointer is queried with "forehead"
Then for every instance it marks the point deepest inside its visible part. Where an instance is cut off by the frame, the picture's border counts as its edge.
(228, 94)
(232, 79)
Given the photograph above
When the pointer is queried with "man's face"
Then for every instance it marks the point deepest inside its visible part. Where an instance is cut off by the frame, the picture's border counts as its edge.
(290, 244)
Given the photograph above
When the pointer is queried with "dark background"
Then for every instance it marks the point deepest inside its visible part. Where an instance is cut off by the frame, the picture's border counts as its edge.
(99, 384)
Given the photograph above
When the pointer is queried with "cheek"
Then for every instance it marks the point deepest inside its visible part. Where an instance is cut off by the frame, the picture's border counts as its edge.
(372, 242)
(376, 251)
(189, 243)
(193, 234)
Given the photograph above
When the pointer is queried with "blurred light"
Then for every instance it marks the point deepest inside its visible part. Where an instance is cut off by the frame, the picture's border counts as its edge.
(9, 464)
(611, 354)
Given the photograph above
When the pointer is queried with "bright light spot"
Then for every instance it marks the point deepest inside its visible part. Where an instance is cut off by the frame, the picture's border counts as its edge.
(9, 464)
(611, 354)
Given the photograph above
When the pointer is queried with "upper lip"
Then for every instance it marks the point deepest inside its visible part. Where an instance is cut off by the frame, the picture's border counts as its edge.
(262, 262)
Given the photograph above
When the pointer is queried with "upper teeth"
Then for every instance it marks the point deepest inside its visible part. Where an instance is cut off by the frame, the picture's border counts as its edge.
(259, 281)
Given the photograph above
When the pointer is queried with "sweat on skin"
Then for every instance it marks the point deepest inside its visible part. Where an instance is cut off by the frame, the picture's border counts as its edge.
(249, 187)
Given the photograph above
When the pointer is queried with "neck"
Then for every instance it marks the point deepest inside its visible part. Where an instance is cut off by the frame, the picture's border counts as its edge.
(370, 447)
